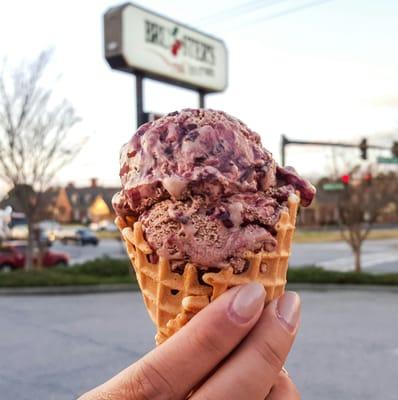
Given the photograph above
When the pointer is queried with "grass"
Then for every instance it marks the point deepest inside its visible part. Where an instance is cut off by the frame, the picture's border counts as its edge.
(97, 272)
(321, 276)
(111, 271)
(319, 236)
(108, 235)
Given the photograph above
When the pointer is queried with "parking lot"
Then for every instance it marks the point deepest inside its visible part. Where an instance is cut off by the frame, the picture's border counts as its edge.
(79, 254)
(378, 256)
(56, 347)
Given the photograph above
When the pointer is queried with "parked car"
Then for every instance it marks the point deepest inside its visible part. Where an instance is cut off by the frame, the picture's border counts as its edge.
(13, 256)
(81, 236)
(66, 233)
(103, 226)
(49, 229)
(87, 236)
(19, 230)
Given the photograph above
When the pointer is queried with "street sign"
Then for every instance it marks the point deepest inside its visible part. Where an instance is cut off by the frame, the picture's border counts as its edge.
(387, 160)
(141, 41)
(333, 186)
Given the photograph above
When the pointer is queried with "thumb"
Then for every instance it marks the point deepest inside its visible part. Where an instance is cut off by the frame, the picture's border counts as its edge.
(253, 368)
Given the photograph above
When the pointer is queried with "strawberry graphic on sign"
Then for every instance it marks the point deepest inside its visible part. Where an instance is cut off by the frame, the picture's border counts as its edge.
(177, 44)
(175, 48)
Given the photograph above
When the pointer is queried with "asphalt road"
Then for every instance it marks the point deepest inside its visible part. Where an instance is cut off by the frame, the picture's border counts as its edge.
(57, 347)
(79, 254)
(378, 255)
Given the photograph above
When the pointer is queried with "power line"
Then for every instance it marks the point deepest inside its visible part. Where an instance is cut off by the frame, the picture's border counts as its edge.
(283, 13)
(238, 10)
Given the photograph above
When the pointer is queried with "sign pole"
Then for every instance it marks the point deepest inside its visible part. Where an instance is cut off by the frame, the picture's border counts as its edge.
(149, 45)
(201, 98)
(284, 142)
(139, 91)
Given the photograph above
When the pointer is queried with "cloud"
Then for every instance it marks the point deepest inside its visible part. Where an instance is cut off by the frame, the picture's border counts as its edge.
(386, 101)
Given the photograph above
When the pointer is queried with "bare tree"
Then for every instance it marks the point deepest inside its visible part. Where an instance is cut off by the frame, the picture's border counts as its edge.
(34, 143)
(359, 205)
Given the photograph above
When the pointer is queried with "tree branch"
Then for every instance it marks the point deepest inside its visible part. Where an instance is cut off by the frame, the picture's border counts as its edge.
(34, 133)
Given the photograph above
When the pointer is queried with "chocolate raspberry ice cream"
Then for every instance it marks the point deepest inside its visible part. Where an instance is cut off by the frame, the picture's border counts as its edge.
(204, 189)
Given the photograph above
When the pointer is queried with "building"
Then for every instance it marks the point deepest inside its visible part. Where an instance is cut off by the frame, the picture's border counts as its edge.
(84, 204)
(93, 203)
(73, 204)
(322, 211)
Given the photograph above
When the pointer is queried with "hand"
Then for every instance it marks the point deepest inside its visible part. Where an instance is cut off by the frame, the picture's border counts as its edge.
(233, 349)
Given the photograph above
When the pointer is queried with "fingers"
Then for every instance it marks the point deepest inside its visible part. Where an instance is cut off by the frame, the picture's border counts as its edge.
(284, 389)
(173, 369)
(251, 371)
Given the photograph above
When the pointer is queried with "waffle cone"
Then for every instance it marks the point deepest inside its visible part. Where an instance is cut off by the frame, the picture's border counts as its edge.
(173, 299)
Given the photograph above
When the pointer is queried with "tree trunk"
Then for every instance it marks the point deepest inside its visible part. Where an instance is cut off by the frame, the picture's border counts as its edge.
(40, 253)
(30, 247)
(357, 257)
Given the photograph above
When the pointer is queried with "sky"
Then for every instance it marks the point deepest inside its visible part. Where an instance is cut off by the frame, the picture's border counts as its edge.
(323, 70)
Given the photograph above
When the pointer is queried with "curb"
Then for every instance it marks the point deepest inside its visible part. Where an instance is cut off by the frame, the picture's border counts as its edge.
(127, 287)
(327, 287)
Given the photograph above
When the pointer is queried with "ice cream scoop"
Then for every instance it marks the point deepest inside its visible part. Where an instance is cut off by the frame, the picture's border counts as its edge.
(204, 189)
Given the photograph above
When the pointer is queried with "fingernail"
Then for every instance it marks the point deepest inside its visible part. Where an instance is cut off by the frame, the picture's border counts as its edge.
(247, 302)
(288, 310)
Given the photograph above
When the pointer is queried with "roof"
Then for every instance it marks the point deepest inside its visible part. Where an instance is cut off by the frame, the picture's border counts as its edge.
(82, 198)
(10, 199)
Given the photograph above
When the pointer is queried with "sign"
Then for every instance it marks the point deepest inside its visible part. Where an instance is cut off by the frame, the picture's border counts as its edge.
(140, 41)
(387, 160)
(333, 186)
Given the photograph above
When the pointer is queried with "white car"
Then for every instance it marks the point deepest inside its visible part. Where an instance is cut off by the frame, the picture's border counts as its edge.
(50, 229)
(105, 225)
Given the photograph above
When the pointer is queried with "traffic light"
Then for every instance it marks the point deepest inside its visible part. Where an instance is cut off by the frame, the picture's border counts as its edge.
(363, 146)
(345, 179)
(394, 149)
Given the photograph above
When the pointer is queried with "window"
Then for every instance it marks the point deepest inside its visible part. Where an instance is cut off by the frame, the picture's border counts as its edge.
(76, 215)
(74, 197)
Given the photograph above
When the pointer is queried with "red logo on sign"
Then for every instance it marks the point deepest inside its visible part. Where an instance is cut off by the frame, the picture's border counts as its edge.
(176, 46)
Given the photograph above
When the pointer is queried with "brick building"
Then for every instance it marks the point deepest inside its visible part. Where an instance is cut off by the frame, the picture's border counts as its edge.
(74, 204)
(83, 204)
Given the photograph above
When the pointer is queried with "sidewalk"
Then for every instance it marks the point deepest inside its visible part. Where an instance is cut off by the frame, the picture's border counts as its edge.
(115, 288)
